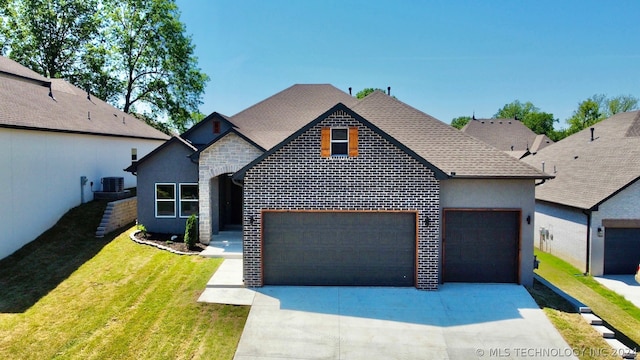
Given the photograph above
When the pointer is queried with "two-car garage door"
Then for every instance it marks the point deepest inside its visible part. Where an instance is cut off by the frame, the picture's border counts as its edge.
(339, 248)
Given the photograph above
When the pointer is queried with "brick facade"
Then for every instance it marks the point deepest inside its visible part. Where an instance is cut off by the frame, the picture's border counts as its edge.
(227, 155)
(381, 178)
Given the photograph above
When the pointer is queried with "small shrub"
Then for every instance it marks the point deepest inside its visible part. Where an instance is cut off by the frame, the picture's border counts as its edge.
(143, 230)
(191, 231)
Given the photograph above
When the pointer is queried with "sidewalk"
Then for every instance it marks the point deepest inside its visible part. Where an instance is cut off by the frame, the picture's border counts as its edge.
(227, 287)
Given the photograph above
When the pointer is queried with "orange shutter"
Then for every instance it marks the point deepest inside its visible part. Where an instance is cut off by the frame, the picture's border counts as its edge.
(325, 142)
(353, 141)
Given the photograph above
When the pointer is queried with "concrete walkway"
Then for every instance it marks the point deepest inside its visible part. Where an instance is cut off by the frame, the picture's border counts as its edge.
(624, 285)
(225, 244)
(459, 321)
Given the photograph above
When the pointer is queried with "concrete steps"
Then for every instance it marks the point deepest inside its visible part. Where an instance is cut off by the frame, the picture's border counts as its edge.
(106, 216)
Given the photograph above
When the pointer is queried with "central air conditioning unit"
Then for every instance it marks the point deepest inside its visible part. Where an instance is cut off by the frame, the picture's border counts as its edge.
(112, 184)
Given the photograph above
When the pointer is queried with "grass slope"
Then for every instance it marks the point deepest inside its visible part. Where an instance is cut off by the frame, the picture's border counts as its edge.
(608, 305)
(109, 298)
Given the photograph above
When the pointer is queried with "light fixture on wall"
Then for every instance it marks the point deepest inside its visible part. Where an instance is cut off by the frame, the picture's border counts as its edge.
(529, 219)
(427, 221)
(600, 231)
(252, 220)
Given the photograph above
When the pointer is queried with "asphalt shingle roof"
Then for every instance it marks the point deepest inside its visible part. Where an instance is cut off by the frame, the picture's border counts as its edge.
(440, 144)
(506, 134)
(26, 104)
(589, 172)
(272, 120)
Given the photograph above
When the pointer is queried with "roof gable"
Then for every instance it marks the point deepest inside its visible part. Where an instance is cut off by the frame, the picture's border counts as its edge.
(133, 168)
(198, 134)
(588, 172)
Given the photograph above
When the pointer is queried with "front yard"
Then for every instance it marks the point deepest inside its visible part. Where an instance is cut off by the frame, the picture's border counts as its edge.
(110, 298)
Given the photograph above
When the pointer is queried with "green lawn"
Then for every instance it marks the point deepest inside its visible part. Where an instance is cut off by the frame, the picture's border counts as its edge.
(69, 295)
(609, 306)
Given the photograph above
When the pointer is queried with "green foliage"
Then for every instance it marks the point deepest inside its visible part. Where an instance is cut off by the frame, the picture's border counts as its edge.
(587, 114)
(143, 230)
(191, 231)
(366, 91)
(50, 36)
(597, 108)
(132, 53)
(539, 122)
(460, 121)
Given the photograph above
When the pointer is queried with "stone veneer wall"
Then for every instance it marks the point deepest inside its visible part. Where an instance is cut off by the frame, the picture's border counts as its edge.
(382, 177)
(117, 214)
(228, 155)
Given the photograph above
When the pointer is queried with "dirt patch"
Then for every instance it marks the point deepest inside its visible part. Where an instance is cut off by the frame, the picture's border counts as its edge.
(170, 241)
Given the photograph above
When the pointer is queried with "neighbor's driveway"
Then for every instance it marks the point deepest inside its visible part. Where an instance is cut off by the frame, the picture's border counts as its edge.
(459, 321)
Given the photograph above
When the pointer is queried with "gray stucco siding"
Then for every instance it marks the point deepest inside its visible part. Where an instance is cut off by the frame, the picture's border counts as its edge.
(381, 178)
(497, 194)
(171, 165)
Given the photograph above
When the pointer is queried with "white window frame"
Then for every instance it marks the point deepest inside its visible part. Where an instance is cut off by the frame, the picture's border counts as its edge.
(180, 200)
(333, 141)
(174, 200)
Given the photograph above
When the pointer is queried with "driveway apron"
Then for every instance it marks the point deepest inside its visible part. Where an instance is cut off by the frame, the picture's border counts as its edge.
(459, 321)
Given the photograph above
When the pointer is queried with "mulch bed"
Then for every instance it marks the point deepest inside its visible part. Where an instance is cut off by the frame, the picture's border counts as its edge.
(164, 241)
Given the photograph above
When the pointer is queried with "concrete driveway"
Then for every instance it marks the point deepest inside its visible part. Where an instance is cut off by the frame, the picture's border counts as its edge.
(459, 321)
(625, 285)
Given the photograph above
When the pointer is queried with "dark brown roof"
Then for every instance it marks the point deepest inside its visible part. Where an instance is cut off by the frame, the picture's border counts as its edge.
(273, 119)
(589, 172)
(506, 135)
(440, 144)
(14, 69)
(279, 117)
(27, 105)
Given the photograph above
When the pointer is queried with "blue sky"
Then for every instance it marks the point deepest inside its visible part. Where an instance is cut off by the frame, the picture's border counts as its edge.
(446, 58)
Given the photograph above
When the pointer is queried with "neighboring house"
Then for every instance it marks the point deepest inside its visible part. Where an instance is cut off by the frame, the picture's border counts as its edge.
(589, 214)
(340, 191)
(52, 135)
(508, 135)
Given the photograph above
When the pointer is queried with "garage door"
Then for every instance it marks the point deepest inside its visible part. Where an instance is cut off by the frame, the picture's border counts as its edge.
(621, 250)
(339, 248)
(481, 246)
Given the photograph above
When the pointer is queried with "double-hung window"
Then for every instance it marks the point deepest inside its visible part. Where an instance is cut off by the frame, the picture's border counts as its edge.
(188, 200)
(165, 200)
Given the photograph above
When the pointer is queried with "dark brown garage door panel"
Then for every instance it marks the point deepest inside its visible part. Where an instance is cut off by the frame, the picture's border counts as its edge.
(621, 250)
(481, 246)
(339, 248)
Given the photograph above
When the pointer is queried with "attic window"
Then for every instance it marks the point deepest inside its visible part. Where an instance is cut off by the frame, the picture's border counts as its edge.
(216, 127)
(339, 142)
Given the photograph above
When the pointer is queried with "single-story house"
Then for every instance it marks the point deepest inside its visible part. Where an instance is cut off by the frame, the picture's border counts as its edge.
(332, 190)
(589, 214)
(508, 135)
(57, 143)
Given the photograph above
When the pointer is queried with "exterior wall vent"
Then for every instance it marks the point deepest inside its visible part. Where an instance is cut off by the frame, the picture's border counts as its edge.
(112, 184)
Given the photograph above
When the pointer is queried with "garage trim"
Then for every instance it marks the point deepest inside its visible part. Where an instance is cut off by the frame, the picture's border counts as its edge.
(417, 227)
(443, 232)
